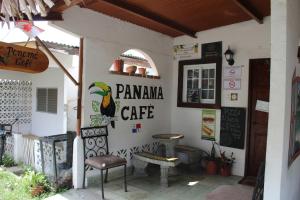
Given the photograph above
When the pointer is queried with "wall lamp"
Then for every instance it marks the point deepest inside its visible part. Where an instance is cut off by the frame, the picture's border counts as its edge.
(229, 56)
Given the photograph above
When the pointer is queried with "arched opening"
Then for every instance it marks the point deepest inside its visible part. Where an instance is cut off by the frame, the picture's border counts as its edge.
(135, 61)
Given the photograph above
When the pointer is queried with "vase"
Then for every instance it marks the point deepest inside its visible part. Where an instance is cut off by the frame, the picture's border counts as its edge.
(37, 190)
(131, 69)
(118, 65)
(211, 167)
(225, 170)
(142, 71)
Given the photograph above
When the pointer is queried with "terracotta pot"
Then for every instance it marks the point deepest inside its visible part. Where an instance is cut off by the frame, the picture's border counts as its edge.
(142, 71)
(118, 65)
(131, 69)
(211, 167)
(225, 170)
(37, 190)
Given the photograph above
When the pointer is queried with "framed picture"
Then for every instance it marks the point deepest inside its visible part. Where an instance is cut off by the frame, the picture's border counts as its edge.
(294, 145)
(199, 83)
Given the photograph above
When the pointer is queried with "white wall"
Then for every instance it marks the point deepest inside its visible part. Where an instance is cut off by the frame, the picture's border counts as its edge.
(105, 41)
(45, 124)
(248, 40)
(281, 181)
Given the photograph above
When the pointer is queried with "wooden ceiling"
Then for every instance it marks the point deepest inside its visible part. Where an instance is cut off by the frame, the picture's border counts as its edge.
(177, 17)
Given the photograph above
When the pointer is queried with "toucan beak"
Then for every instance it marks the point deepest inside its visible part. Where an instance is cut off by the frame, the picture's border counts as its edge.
(101, 85)
(92, 85)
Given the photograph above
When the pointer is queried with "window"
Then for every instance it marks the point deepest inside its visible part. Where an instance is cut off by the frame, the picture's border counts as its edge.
(47, 100)
(199, 84)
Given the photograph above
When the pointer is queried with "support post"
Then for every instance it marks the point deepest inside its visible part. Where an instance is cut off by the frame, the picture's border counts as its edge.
(78, 157)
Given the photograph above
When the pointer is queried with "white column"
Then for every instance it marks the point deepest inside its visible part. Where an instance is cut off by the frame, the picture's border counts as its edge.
(78, 163)
(18, 148)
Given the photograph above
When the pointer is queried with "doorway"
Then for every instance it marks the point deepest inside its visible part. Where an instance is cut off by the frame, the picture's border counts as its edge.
(258, 99)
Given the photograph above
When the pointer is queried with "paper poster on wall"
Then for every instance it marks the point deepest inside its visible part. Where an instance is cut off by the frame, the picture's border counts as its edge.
(208, 129)
(232, 84)
(262, 106)
(185, 50)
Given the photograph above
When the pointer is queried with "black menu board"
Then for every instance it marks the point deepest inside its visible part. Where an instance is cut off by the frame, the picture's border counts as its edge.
(233, 127)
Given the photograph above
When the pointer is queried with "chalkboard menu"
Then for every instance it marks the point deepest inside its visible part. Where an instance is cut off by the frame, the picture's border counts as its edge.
(233, 127)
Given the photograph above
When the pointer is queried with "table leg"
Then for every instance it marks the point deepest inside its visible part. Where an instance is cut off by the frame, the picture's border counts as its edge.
(139, 167)
(164, 176)
(170, 148)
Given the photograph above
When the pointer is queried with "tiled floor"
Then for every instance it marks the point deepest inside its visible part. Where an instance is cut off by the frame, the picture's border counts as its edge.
(187, 186)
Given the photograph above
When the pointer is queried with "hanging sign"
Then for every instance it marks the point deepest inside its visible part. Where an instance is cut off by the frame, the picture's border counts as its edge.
(22, 59)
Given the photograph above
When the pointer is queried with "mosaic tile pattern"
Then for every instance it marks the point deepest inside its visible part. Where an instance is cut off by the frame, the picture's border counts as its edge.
(15, 101)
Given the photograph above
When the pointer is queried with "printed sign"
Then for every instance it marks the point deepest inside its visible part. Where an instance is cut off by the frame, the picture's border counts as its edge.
(185, 50)
(22, 59)
(262, 106)
(232, 72)
(208, 124)
(232, 84)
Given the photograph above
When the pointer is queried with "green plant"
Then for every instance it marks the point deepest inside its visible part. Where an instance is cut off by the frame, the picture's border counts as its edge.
(224, 160)
(35, 182)
(212, 154)
(8, 161)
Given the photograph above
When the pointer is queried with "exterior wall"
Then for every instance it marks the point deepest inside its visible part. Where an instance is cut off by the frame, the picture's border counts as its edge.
(282, 181)
(45, 124)
(249, 40)
(102, 45)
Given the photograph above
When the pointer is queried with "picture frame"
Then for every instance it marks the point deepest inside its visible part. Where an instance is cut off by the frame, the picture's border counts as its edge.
(199, 83)
(294, 143)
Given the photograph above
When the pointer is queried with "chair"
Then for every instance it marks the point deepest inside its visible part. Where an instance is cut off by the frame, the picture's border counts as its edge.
(258, 193)
(96, 153)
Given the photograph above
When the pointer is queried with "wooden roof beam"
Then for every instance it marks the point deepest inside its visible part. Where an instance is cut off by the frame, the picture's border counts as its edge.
(61, 6)
(137, 11)
(249, 10)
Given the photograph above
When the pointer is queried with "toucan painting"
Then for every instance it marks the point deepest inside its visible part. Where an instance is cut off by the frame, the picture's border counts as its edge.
(107, 106)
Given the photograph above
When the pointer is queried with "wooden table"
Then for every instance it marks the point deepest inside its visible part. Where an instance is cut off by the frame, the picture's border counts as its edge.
(170, 140)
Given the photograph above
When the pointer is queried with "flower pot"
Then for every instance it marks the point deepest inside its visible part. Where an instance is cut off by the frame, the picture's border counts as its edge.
(211, 167)
(37, 190)
(142, 71)
(118, 65)
(225, 170)
(131, 69)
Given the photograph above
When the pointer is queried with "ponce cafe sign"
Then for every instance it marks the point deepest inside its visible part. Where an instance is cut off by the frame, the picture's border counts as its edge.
(22, 59)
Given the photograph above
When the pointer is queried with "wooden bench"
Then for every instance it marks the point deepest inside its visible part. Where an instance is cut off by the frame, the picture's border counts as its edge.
(142, 159)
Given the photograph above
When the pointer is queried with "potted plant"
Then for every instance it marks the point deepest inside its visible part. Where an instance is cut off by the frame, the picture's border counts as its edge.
(35, 183)
(225, 163)
(212, 167)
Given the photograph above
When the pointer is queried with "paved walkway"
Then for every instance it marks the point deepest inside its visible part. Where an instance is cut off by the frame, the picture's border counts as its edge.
(182, 187)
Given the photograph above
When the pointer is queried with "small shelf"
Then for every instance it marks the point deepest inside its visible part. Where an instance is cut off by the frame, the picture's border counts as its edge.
(134, 75)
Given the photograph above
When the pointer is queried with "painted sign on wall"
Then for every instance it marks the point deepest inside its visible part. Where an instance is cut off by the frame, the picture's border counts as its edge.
(108, 107)
(22, 59)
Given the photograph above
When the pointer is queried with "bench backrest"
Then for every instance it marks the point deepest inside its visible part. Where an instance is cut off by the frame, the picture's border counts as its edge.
(95, 141)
